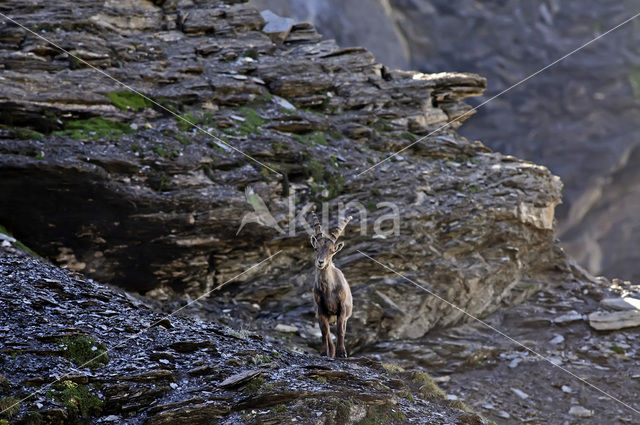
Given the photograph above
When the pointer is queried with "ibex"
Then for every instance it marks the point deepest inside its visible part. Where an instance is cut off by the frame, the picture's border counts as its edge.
(330, 291)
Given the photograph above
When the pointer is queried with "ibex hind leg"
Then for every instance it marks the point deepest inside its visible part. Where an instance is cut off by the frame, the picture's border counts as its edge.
(341, 329)
(327, 344)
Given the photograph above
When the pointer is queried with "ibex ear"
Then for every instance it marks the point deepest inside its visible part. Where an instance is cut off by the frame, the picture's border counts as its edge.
(313, 241)
(339, 246)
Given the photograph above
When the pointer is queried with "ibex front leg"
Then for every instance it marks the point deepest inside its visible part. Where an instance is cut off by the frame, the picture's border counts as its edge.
(341, 328)
(327, 344)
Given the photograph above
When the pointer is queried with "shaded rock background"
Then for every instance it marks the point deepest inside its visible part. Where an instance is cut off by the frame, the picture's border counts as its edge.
(110, 184)
(578, 118)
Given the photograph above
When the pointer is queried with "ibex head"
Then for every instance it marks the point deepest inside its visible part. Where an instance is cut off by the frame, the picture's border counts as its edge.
(326, 246)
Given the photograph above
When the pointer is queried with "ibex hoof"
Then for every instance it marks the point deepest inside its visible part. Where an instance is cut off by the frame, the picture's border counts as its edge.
(342, 354)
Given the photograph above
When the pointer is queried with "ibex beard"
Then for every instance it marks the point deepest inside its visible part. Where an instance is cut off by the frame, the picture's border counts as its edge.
(331, 291)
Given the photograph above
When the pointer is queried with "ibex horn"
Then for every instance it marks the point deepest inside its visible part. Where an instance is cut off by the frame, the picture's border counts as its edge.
(316, 224)
(338, 230)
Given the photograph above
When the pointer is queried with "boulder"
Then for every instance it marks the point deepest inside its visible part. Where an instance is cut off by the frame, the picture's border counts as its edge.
(276, 27)
(611, 321)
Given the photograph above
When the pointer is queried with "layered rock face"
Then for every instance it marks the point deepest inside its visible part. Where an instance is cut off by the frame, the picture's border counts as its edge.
(579, 118)
(112, 185)
(74, 352)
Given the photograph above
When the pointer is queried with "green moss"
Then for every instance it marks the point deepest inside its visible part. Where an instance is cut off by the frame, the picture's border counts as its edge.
(95, 128)
(409, 136)
(335, 183)
(323, 178)
(458, 404)
(383, 415)
(231, 131)
(166, 153)
(24, 133)
(382, 124)
(252, 121)
(9, 406)
(279, 147)
(4, 422)
(260, 359)
(428, 387)
(203, 120)
(634, 78)
(251, 53)
(77, 399)
(184, 139)
(254, 385)
(409, 396)
(165, 181)
(313, 138)
(616, 349)
(128, 100)
(315, 169)
(343, 412)
(84, 350)
(279, 408)
(321, 379)
(137, 149)
(335, 134)
(392, 368)
(23, 247)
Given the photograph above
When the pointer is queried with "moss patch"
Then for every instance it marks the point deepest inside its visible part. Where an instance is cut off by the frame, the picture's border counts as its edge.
(84, 351)
(165, 152)
(260, 359)
(254, 385)
(458, 404)
(428, 387)
(313, 138)
(383, 415)
(19, 244)
(201, 119)
(279, 408)
(252, 121)
(78, 400)
(634, 78)
(9, 406)
(616, 349)
(128, 100)
(25, 133)
(409, 136)
(95, 128)
(392, 368)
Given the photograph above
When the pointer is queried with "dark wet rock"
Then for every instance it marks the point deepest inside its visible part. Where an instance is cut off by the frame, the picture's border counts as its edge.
(131, 388)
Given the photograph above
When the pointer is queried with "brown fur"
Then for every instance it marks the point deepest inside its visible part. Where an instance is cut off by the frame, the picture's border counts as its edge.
(331, 291)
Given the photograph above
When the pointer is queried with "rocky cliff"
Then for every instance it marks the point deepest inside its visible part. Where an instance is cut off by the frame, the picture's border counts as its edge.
(110, 184)
(74, 351)
(201, 183)
(578, 118)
